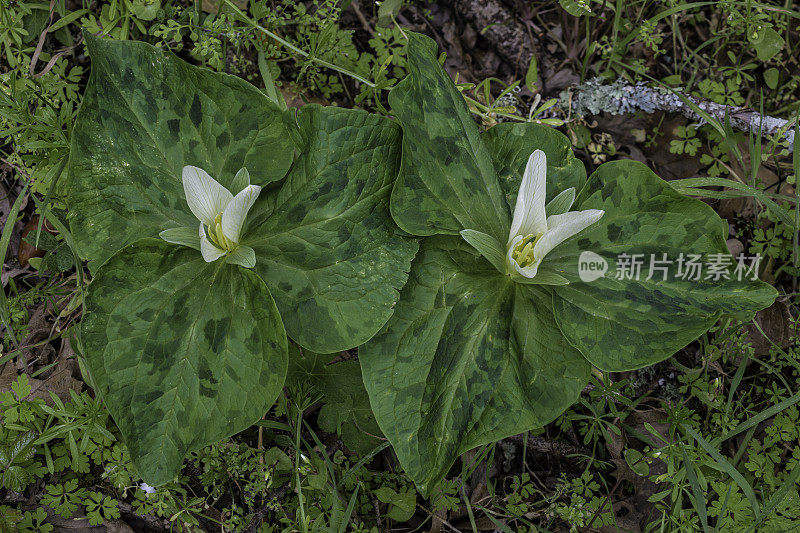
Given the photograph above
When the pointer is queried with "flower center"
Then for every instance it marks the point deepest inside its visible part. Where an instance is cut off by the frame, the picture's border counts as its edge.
(219, 239)
(523, 250)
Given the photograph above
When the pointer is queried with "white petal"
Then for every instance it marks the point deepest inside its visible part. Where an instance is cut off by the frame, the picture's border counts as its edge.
(236, 211)
(205, 196)
(210, 252)
(528, 271)
(562, 227)
(529, 216)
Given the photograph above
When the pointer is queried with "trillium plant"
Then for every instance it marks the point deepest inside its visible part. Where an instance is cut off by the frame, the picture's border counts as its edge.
(217, 227)
(495, 332)
(226, 234)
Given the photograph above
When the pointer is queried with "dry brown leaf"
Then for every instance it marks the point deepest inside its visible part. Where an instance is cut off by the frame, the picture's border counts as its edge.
(776, 321)
(26, 250)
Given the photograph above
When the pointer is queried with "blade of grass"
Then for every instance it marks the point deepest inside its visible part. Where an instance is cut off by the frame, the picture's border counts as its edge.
(57, 171)
(364, 460)
(760, 417)
(298, 487)
(5, 240)
(723, 508)
(796, 167)
(269, 84)
(689, 184)
(501, 526)
(726, 467)
(469, 510)
(777, 497)
(737, 378)
(743, 446)
(323, 451)
(699, 499)
(349, 511)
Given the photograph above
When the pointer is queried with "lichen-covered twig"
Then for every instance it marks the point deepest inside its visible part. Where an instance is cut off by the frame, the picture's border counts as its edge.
(618, 98)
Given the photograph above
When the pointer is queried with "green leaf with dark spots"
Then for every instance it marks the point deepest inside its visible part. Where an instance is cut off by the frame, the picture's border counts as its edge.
(145, 115)
(468, 357)
(183, 352)
(511, 144)
(447, 182)
(325, 242)
(623, 324)
(346, 410)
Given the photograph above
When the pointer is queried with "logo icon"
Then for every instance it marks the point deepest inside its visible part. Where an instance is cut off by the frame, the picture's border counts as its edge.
(591, 266)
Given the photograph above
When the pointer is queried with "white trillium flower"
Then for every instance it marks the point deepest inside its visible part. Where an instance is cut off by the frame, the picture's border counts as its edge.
(533, 234)
(221, 216)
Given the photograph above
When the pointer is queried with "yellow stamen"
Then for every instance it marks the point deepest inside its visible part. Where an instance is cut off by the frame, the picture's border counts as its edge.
(218, 238)
(523, 250)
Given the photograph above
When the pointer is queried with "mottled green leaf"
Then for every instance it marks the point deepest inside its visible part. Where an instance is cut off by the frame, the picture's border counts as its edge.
(183, 352)
(14, 456)
(447, 182)
(471, 356)
(325, 243)
(468, 357)
(511, 144)
(346, 410)
(622, 324)
(145, 115)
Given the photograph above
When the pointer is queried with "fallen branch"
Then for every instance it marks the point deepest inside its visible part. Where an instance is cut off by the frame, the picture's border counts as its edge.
(543, 446)
(619, 98)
